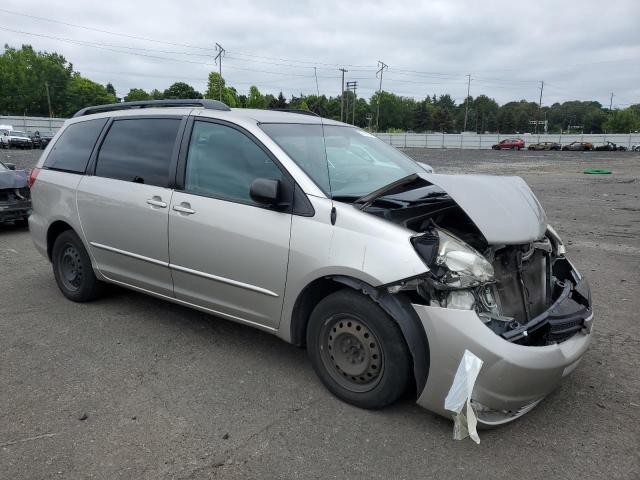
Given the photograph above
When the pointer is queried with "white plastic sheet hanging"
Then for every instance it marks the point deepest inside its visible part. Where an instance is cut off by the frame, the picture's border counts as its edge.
(458, 399)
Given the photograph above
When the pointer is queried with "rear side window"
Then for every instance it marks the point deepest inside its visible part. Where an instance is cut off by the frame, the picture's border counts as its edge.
(72, 150)
(139, 150)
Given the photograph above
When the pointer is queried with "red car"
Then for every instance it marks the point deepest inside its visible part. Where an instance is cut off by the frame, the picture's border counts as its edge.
(510, 144)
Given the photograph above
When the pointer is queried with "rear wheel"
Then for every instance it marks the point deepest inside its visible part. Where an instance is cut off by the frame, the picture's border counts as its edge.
(358, 351)
(72, 269)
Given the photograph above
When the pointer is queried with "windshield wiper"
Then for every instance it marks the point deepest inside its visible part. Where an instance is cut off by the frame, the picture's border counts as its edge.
(369, 198)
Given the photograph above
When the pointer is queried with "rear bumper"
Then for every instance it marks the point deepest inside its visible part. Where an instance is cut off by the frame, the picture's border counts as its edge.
(14, 211)
(513, 378)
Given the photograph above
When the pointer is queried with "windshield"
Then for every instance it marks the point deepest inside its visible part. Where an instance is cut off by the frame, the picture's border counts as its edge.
(356, 162)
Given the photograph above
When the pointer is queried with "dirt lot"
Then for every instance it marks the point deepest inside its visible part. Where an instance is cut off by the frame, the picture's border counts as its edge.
(133, 387)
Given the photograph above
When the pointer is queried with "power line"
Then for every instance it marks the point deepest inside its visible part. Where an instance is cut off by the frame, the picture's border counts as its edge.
(218, 60)
(353, 85)
(119, 34)
(539, 104)
(381, 66)
(466, 103)
(343, 70)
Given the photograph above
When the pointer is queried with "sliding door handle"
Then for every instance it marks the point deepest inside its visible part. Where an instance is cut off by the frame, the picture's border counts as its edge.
(184, 208)
(157, 202)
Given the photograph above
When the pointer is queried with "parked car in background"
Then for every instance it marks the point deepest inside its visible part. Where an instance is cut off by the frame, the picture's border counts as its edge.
(635, 148)
(38, 140)
(578, 146)
(545, 146)
(509, 144)
(392, 274)
(15, 198)
(15, 139)
(610, 147)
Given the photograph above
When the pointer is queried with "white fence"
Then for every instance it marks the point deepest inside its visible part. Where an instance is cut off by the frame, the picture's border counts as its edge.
(402, 140)
(44, 125)
(473, 141)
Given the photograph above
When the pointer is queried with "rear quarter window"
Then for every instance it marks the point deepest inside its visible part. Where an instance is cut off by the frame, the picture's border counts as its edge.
(139, 150)
(72, 150)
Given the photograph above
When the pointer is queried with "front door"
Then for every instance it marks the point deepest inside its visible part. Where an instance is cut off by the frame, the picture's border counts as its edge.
(228, 253)
(124, 206)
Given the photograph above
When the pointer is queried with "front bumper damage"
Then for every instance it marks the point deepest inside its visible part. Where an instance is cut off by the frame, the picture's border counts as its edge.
(14, 210)
(514, 377)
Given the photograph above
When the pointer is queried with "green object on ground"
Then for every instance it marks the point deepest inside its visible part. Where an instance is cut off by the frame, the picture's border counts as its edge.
(597, 171)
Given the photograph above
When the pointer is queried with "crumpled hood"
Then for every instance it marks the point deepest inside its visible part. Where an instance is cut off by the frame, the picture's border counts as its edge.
(13, 179)
(504, 209)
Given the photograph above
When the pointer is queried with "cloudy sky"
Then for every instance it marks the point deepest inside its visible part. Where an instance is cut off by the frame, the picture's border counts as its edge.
(582, 50)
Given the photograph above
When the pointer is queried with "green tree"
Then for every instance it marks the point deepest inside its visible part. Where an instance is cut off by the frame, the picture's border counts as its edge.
(136, 94)
(25, 76)
(157, 94)
(180, 90)
(111, 89)
(83, 92)
(623, 121)
(255, 98)
(280, 102)
(216, 87)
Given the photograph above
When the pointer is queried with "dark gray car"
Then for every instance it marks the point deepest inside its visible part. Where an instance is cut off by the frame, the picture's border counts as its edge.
(15, 198)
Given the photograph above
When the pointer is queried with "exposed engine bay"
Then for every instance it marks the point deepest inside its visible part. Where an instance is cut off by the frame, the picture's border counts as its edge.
(526, 293)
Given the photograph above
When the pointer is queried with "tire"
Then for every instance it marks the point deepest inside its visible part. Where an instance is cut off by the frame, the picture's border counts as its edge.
(72, 269)
(372, 365)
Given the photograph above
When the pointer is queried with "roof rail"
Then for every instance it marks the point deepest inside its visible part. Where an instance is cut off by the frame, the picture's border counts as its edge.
(112, 107)
(295, 110)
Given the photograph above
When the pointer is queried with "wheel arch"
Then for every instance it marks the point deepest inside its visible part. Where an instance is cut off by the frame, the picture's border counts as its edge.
(53, 232)
(397, 306)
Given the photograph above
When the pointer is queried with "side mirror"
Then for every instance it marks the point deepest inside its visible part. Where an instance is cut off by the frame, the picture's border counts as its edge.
(265, 191)
(10, 166)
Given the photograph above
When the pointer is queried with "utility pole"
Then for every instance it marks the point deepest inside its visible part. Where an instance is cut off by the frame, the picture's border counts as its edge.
(46, 86)
(381, 66)
(351, 86)
(466, 103)
(221, 51)
(611, 101)
(539, 104)
(342, 95)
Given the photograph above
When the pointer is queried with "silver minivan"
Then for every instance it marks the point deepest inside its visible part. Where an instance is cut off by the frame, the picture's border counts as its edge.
(322, 234)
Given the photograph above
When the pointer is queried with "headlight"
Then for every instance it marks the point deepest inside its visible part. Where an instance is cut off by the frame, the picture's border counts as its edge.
(461, 265)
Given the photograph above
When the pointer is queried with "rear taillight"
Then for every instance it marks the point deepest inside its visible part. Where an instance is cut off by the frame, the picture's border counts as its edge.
(33, 175)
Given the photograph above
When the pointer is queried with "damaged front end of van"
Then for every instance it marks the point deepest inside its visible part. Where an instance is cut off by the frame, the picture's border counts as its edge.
(498, 285)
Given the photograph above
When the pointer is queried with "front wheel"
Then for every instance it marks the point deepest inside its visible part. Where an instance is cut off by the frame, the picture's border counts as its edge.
(72, 269)
(358, 351)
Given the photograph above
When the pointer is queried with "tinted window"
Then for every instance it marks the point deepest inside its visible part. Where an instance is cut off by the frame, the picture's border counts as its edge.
(138, 150)
(72, 150)
(222, 162)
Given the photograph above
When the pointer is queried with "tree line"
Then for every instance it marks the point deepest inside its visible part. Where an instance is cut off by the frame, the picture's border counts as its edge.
(37, 83)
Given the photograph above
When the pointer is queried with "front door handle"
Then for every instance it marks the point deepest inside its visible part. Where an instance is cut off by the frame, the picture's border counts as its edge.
(185, 208)
(156, 202)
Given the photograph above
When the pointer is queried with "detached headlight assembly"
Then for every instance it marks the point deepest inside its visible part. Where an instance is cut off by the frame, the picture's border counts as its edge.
(454, 263)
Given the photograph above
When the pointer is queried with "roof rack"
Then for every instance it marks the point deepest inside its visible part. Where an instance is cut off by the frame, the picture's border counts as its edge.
(202, 103)
(295, 110)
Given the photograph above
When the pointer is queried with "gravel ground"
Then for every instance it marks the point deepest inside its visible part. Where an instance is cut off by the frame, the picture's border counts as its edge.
(133, 387)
